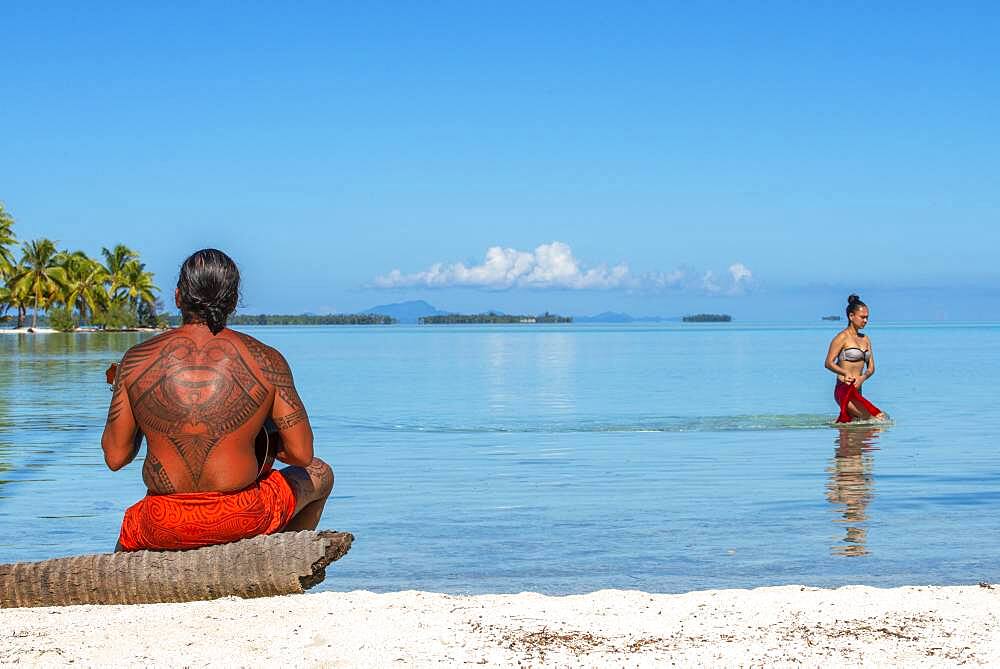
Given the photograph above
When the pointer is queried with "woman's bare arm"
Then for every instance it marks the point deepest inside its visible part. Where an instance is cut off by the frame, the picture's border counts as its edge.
(831, 359)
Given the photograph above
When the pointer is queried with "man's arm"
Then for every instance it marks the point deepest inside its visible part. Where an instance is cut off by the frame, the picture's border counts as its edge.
(288, 414)
(121, 438)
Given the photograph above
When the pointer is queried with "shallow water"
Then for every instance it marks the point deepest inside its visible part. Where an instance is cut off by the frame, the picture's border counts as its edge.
(571, 458)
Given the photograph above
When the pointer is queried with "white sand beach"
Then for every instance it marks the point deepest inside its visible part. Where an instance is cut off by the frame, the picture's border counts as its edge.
(779, 626)
(27, 330)
(85, 330)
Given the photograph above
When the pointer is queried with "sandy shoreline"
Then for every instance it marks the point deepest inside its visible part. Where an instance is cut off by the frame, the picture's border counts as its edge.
(25, 330)
(780, 626)
(40, 331)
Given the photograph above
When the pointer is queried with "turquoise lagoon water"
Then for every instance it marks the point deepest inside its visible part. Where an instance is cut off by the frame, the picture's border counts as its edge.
(566, 459)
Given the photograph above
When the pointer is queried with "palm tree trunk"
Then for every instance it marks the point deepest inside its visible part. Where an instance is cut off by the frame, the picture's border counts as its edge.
(20, 317)
(275, 564)
(34, 312)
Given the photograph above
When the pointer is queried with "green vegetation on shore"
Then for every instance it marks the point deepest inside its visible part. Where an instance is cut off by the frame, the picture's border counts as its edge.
(70, 287)
(492, 317)
(708, 318)
(302, 319)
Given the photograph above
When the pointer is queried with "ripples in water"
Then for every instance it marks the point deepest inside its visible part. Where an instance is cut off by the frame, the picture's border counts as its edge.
(744, 423)
(490, 460)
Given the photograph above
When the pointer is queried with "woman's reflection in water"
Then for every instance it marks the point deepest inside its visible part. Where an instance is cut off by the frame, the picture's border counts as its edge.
(851, 485)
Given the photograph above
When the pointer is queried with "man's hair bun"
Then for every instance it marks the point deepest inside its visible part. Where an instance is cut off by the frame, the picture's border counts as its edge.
(209, 285)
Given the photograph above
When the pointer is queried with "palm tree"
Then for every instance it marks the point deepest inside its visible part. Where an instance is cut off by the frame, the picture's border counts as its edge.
(16, 296)
(137, 285)
(8, 296)
(7, 241)
(115, 260)
(40, 276)
(85, 281)
(6, 300)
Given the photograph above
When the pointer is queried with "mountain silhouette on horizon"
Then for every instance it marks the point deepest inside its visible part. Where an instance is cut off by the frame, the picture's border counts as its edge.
(605, 317)
(406, 312)
(619, 317)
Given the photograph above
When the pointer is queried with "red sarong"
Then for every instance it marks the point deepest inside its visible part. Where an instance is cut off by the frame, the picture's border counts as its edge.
(844, 393)
(195, 519)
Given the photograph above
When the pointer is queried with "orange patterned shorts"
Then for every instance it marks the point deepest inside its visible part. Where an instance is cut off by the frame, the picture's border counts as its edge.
(195, 519)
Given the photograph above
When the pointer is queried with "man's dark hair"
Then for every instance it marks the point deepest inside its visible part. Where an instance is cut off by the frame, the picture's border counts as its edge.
(209, 285)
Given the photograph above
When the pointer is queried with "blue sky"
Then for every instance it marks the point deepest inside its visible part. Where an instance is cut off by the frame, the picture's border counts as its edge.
(758, 158)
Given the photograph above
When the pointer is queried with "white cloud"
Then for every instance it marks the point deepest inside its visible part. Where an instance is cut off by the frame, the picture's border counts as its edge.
(548, 266)
(709, 283)
(742, 277)
(658, 281)
(554, 266)
(740, 272)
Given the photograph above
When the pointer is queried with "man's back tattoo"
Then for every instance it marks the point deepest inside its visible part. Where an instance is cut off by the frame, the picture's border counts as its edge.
(193, 394)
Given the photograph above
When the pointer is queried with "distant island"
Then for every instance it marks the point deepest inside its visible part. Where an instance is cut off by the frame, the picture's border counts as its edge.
(419, 312)
(303, 319)
(708, 318)
(492, 318)
(831, 318)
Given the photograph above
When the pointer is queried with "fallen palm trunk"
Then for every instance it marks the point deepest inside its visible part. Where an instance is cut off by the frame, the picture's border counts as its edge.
(276, 564)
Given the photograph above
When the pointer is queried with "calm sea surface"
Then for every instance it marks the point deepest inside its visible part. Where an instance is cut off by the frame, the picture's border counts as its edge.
(565, 459)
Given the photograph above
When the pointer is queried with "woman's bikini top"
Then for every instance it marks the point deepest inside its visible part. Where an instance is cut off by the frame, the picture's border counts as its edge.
(854, 354)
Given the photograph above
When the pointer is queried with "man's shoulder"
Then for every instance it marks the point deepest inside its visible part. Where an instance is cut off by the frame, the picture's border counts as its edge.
(144, 352)
(265, 356)
(152, 343)
(254, 345)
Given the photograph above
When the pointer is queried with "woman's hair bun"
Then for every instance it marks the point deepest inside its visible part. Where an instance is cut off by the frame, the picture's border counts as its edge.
(853, 304)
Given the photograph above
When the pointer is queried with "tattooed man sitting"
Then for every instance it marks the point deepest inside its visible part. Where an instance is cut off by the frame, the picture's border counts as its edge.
(201, 394)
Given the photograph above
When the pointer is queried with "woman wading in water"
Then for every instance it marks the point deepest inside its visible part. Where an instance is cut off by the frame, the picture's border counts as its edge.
(850, 357)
